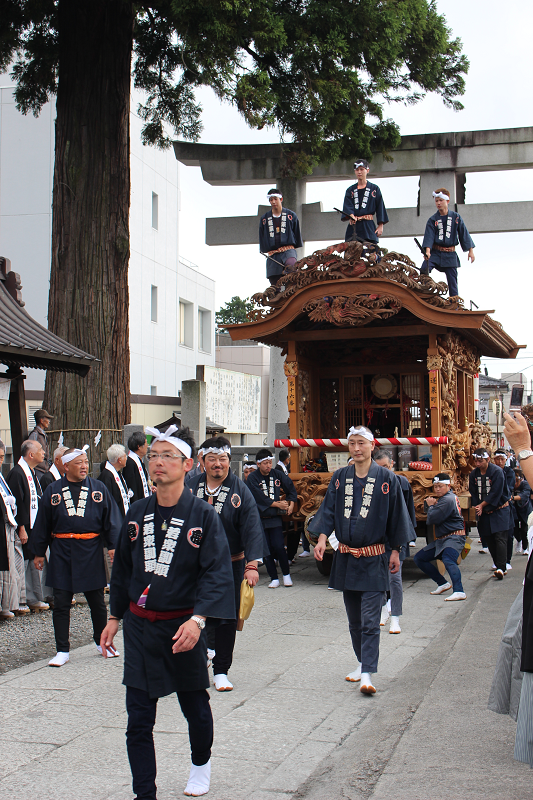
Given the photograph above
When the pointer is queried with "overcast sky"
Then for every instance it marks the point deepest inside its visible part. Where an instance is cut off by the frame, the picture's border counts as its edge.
(497, 40)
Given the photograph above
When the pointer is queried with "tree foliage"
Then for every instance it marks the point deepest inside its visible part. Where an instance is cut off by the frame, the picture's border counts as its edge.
(233, 312)
(319, 70)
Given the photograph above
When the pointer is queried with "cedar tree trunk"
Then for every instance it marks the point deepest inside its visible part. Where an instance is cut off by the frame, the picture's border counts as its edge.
(88, 301)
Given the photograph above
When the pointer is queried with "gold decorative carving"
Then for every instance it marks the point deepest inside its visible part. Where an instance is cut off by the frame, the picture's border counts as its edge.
(350, 260)
(354, 310)
(480, 435)
(464, 355)
(290, 368)
(311, 491)
(434, 362)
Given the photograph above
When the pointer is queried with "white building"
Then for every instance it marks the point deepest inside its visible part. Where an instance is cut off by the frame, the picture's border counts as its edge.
(172, 305)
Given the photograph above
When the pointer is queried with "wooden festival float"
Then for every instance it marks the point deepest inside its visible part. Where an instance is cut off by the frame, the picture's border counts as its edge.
(377, 344)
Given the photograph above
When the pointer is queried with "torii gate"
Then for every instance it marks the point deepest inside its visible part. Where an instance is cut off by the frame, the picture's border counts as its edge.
(436, 158)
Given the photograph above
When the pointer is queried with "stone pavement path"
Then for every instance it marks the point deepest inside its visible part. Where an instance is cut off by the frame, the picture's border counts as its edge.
(292, 727)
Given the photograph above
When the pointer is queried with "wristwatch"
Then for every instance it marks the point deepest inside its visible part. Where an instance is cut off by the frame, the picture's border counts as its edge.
(199, 621)
(523, 454)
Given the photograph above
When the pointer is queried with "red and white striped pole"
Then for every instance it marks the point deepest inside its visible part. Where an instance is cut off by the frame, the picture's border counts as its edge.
(326, 444)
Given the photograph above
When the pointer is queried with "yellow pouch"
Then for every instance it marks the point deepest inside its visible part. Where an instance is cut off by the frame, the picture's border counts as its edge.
(246, 604)
(467, 548)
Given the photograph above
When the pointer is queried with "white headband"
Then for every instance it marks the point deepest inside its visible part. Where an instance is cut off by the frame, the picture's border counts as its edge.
(266, 458)
(250, 466)
(360, 164)
(182, 446)
(436, 479)
(361, 432)
(75, 453)
(485, 455)
(218, 451)
(442, 196)
(275, 195)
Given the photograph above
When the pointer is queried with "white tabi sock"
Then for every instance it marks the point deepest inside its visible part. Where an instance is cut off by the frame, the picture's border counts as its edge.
(367, 687)
(199, 780)
(354, 676)
(222, 684)
(111, 652)
(58, 660)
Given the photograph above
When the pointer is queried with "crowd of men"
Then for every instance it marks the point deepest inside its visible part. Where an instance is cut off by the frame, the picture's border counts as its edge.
(364, 210)
(176, 542)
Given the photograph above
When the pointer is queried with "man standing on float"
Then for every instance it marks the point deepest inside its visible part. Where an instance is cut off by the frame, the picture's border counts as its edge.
(279, 237)
(444, 231)
(364, 505)
(361, 201)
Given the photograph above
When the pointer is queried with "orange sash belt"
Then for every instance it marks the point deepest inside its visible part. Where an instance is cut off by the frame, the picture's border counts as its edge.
(454, 533)
(238, 556)
(282, 249)
(369, 217)
(444, 249)
(357, 552)
(75, 535)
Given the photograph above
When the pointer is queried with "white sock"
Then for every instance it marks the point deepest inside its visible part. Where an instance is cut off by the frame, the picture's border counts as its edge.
(222, 684)
(199, 780)
(58, 660)
(366, 679)
(355, 675)
(111, 652)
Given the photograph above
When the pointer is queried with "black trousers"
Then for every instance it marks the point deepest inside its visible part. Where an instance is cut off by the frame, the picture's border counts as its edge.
(141, 710)
(497, 544)
(276, 545)
(221, 638)
(520, 533)
(61, 616)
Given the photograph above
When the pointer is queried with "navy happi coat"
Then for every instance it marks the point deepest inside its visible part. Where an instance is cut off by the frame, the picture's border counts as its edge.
(491, 487)
(361, 202)
(76, 565)
(386, 522)
(238, 513)
(289, 231)
(446, 230)
(196, 576)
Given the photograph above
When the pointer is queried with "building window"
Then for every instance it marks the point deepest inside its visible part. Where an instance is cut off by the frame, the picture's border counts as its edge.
(204, 330)
(31, 417)
(153, 391)
(155, 211)
(186, 328)
(153, 304)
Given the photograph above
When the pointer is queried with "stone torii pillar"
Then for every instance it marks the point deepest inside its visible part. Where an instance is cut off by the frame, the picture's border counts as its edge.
(441, 159)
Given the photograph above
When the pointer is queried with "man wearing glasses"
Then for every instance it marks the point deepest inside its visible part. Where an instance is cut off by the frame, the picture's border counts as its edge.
(237, 509)
(490, 498)
(172, 571)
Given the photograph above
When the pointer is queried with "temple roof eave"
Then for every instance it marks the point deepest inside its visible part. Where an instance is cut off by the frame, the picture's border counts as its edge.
(476, 326)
